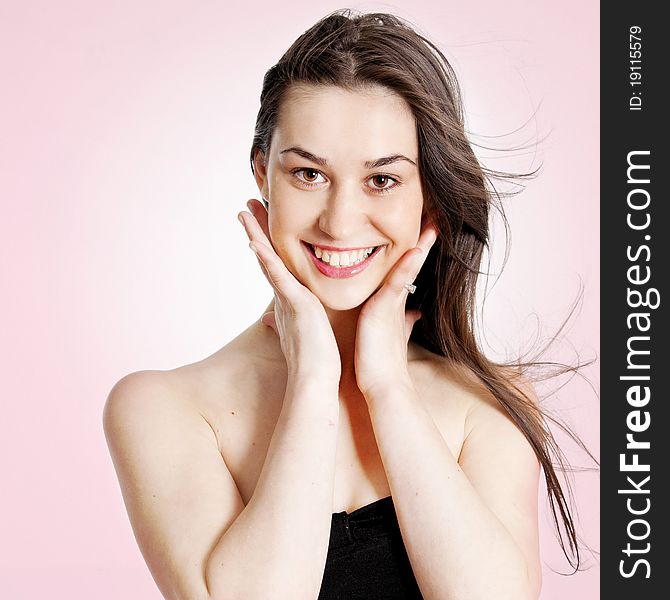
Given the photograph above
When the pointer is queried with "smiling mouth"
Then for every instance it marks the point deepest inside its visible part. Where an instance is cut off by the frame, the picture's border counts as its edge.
(348, 258)
(339, 265)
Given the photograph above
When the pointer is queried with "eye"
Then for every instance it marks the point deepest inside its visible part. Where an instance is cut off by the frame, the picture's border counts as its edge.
(310, 176)
(380, 182)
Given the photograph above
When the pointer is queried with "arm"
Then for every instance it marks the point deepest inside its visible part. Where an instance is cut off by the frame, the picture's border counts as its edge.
(199, 540)
(470, 529)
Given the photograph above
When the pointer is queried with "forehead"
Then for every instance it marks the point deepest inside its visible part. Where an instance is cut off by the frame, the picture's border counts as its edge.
(337, 123)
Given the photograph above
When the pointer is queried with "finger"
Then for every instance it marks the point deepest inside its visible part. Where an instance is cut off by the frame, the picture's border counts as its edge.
(408, 267)
(278, 276)
(427, 237)
(269, 319)
(262, 266)
(411, 317)
(260, 213)
(253, 229)
(273, 267)
(404, 272)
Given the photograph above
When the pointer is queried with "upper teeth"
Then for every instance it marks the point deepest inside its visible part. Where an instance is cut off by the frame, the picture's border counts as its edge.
(343, 259)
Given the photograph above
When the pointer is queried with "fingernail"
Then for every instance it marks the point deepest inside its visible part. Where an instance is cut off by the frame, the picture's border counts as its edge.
(240, 219)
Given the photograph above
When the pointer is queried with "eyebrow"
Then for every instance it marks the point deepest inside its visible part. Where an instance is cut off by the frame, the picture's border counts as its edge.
(368, 164)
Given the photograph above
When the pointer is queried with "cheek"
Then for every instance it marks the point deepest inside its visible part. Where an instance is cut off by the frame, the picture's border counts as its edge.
(287, 223)
(404, 227)
(282, 213)
(279, 227)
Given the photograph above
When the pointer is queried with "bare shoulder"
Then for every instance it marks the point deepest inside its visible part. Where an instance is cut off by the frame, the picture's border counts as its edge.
(164, 430)
(491, 429)
(233, 376)
(454, 396)
(153, 398)
(501, 464)
(178, 492)
(490, 434)
(485, 407)
(147, 400)
(233, 397)
(442, 383)
(139, 392)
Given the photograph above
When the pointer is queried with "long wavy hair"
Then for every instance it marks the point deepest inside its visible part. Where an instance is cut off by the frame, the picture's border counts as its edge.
(353, 51)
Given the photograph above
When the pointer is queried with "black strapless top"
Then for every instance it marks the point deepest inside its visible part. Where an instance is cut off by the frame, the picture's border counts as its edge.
(366, 558)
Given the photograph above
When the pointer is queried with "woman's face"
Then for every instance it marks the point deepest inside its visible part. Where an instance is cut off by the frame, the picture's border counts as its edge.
(342, 178)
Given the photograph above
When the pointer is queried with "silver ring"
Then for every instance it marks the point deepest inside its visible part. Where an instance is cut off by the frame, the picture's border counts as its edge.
(410, 288)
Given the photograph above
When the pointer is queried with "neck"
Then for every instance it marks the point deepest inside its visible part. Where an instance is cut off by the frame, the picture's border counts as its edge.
(344, 324)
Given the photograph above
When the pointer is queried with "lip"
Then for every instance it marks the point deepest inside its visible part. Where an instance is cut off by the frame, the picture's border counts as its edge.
(340, 272)
(336, 249)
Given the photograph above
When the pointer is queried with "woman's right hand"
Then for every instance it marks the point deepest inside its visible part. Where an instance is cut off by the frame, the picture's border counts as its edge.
(298, 317)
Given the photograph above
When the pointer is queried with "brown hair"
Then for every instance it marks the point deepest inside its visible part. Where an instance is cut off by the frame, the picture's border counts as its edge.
(354, 51)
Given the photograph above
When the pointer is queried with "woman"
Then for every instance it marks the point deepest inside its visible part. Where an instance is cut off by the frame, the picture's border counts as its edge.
(354, 442)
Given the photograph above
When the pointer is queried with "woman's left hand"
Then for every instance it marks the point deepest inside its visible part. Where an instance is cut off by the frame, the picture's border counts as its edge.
(384, 326)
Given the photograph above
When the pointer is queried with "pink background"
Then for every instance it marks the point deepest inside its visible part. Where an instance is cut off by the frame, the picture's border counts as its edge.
(125, 131)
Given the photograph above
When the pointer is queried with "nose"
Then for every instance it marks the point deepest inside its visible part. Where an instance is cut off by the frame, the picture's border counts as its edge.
(343, 215)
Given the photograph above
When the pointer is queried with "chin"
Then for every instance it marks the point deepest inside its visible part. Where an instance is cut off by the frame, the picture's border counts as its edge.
(339, 294)
(342, 301)
(342, 306)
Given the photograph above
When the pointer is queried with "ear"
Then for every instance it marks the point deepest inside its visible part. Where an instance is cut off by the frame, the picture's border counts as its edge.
(261, 173)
